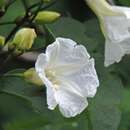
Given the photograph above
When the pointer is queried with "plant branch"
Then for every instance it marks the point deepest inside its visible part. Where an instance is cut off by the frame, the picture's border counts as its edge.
(38, 9)
(13, 75)
(12, 33)
(7, 6)
(5, 23)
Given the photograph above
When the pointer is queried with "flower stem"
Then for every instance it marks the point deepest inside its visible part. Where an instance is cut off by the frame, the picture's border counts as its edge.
(5, 23)
(36, 12)
(13, 75)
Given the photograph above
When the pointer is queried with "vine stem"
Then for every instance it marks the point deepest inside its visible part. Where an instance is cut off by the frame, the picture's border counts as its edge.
(7, 6)
(13, 75)
(9, 22)
(11, 33)
(34, 5)
(36, 12)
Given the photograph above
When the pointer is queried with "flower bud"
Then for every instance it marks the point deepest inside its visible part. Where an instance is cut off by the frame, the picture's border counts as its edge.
(47, 17)
(32, 77)
(2, 41)
(24, 39)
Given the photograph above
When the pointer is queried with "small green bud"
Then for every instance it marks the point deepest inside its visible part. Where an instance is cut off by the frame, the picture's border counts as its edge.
(24, 39)
(47, 17)
(2, 41)
(32, 77)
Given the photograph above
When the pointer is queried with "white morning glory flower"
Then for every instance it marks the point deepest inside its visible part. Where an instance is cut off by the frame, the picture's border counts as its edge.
(115, 25)
(69, 75)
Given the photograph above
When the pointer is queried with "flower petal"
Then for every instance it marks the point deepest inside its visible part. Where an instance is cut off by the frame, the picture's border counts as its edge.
(70, 104)
(84, 80)
(124, 10)
(51, 99)
(117, 36)
(62, 52)
(50, 91)
(117, 28)
(113, 52)
(41, 63)
(60, 47)
(70, 61)
(80, 72)
(40, 66)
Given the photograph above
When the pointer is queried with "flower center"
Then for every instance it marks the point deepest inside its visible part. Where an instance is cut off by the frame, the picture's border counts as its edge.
(51, 75)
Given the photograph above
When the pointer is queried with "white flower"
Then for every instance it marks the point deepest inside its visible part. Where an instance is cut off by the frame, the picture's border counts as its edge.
(115, 24)
(69, 75)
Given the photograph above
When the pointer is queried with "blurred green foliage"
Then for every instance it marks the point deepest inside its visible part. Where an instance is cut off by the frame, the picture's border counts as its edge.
(123, 2)
(23, 105)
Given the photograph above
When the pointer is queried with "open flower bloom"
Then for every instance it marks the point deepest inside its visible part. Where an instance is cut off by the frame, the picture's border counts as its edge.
(115, 25)
(69, 76)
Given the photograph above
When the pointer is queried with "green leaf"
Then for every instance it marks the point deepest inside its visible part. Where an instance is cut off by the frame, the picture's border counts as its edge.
(124, 2)
(31, 122)
(125, 106)
(70, 28)
(18, 87)
(40, 122)
(93, 31)
(104, 110)
(50, 37)
(19, 95)
(123, 70)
